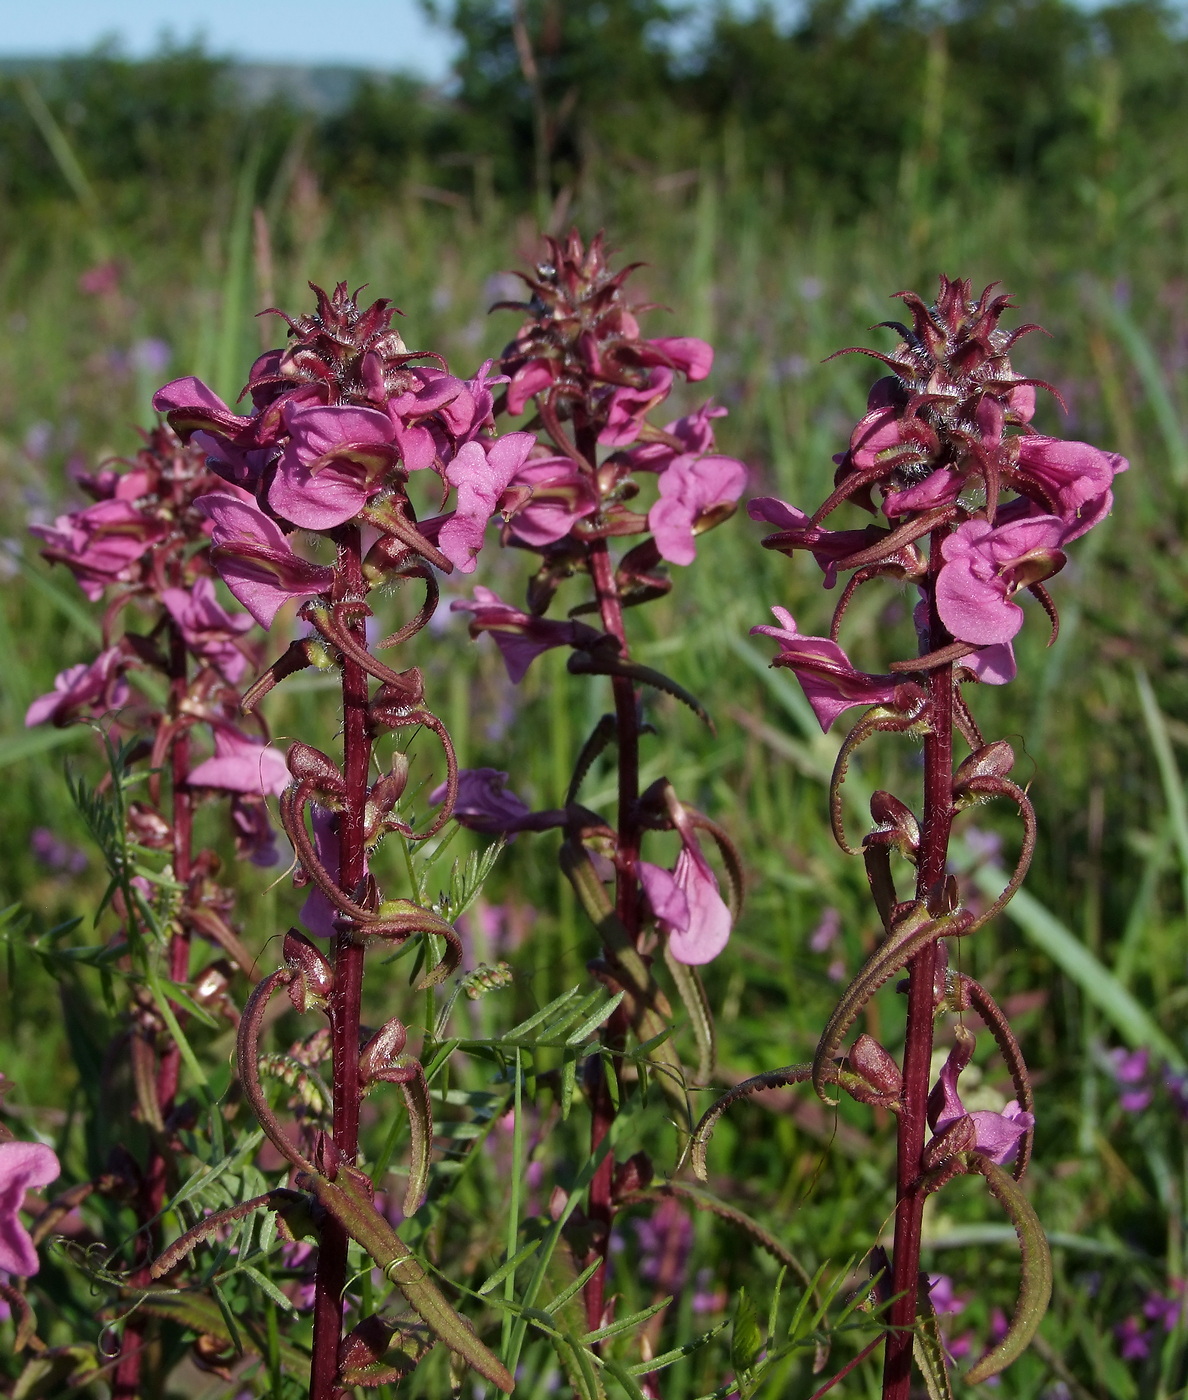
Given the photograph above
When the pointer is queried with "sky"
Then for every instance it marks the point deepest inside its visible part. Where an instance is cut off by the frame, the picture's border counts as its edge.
(380, 34)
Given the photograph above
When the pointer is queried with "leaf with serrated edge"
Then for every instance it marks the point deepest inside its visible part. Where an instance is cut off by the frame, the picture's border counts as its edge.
(1035, 1286)
(693, 998)
(746, 1340)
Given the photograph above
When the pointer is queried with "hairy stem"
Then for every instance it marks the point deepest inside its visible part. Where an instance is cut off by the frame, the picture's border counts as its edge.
(348, 973)
(934, 849)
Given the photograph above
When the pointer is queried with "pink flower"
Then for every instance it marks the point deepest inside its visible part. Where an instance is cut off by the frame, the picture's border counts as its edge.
(191, 405)
(480, 474)
(687, 905)
(209, 630)
(1073, 477)
(985, 566)
(941, 488)
(254, 559)
(830, 683)
(520, 637)
(241, 764)
(628, 407)
(693, 432)
(693, 490)
(23, 1166)
(334, 462)
(545, 499)
(82, 689)
(100, 544)
(997, 1134)
(533, 377)
(692, 357)
(484, 801)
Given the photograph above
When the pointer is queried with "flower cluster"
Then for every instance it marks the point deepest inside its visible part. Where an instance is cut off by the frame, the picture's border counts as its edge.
(342, 417)
(979, 508)
(944, 436)
(146, 543)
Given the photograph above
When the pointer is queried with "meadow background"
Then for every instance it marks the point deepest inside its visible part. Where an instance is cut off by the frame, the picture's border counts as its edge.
(780, 178)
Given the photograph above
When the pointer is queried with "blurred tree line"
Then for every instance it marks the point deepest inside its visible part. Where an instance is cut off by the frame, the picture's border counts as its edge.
(839, 108)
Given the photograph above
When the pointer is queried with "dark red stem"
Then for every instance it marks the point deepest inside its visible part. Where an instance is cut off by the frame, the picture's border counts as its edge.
(917, 1058)
(600, 1205)
(345, 997)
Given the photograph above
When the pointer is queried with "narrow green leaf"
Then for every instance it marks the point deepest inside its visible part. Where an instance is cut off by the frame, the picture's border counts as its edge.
(1169, 773)
(666, 1358)
(573, 1288)
(16, 747)
(267, 1287)
(624, 1324)
(508, 1267)
(591, 1023)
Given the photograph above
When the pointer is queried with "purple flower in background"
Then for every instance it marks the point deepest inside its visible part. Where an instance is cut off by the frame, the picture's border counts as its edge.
(1134, 1340)
(317, 913)
(91, 690)
(24, 1166)
(826, 933)
(1130, 1069)
(243, 765)
(209, 630)
(54, 853)
(100, 544)
(484, 802)
(687, 905)
(665, 1239)
(830, 683)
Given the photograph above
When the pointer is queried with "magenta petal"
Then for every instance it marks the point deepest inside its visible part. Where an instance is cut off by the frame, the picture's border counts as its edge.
(693, 357)
(528, 381)
(24, 1166)
(241, 764)
(669, 902)
(708, 930)
(773, 511)
(318, 500)
(938, 489)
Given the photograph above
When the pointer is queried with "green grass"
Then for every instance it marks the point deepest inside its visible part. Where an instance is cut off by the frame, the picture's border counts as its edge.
(1094, 957)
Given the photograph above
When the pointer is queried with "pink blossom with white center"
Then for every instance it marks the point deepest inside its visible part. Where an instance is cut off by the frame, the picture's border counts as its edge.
(241, 764)
(208, 629)
(691, 490)
(687, 905)
(830, 683)
(82, 689)
(255, 560)
(985, 566)
(24, 1166)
